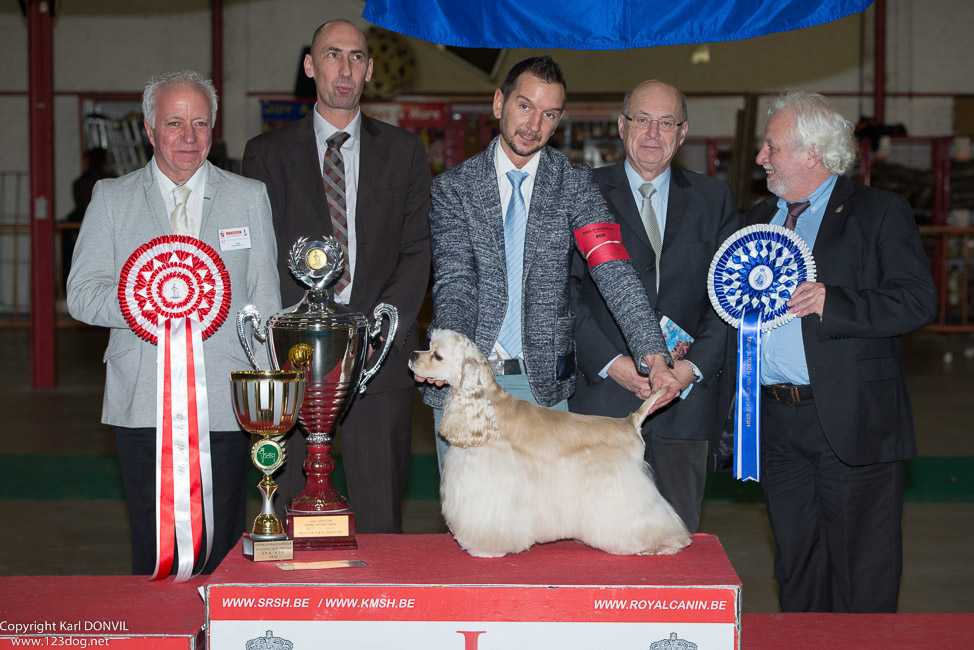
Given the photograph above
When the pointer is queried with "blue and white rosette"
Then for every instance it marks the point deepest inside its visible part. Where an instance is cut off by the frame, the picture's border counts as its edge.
(751, 279)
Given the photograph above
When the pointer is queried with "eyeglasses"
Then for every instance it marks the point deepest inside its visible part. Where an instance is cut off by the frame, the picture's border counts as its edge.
(665, 124)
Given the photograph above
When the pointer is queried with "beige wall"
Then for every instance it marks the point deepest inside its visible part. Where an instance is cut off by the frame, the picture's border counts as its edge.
(116, 45)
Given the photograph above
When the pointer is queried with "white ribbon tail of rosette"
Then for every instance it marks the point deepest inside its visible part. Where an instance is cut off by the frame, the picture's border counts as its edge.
(747, 421)
(184, 481)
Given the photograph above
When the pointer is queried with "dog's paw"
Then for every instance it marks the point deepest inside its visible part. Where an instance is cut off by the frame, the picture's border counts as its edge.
(485, 554)
(667, 548)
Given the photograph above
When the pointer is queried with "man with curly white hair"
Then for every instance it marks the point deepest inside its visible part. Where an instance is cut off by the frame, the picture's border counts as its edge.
(836, 421)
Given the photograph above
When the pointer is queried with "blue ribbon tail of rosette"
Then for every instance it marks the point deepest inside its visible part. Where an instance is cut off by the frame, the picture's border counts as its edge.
(747, 426)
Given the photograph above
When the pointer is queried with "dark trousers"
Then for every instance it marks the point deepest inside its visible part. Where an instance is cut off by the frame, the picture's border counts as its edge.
(376, 449)
(680, 470)
(837, 528)
(230, 457)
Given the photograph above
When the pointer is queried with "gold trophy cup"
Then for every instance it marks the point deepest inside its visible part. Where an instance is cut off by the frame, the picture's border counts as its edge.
(266, 404)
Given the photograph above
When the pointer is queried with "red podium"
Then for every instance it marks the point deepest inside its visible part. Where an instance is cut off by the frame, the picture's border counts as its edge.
(117, 612)
(423, 591)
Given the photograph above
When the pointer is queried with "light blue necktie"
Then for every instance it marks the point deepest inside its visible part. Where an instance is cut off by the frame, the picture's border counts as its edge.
(514, 226)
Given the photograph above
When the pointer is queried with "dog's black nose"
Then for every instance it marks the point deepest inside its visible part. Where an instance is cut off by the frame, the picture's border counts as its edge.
(413, 356)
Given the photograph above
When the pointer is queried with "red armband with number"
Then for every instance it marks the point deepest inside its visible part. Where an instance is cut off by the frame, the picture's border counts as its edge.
(601, 242)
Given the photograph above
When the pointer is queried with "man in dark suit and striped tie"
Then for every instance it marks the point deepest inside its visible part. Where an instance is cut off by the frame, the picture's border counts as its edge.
(339, 172)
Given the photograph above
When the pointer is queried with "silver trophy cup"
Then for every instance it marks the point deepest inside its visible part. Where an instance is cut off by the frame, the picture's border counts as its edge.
(329, 343)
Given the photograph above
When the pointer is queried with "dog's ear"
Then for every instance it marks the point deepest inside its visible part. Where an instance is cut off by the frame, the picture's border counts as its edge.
(470, 380)
(468, 416)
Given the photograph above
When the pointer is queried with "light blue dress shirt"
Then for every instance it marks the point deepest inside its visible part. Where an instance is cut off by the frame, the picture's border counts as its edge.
(782, 348)
(659, 200)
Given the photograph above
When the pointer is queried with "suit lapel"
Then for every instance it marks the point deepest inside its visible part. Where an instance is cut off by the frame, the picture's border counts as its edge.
(536, 213)
(305, 164)
(763, 212)
(620, 197)
(833, 220)
(369, 171)
(828, 233)
(214, 180)
(153, 198)
(489, 197)
(370, 176)
(677, 209)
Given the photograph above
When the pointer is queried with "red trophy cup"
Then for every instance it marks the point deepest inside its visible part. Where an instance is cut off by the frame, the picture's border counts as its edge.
(327, 342)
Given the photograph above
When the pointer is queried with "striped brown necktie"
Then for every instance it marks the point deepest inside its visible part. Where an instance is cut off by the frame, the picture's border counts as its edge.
(333, 175)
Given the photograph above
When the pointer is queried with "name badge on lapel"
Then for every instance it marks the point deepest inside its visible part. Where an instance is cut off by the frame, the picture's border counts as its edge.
(234, 238)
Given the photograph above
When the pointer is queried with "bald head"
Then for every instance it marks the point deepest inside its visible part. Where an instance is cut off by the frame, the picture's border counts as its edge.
(340, 65)
(653, 124)
(654, 83)
(325, 28)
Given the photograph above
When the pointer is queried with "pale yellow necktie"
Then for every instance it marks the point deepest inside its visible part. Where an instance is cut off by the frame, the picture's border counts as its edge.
(651, 225)
(179, 219)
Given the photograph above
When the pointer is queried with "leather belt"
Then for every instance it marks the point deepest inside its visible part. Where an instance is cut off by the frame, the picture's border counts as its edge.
(505, 366)
(788, 393)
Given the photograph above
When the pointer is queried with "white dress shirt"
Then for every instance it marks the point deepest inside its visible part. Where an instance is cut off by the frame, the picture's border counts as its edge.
(194, 204)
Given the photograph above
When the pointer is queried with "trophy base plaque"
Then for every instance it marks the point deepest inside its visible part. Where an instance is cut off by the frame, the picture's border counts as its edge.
(321, 531)
(272, 550)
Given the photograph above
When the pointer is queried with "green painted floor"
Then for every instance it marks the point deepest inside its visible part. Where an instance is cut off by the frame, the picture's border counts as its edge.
(61, 496)
(940, 479)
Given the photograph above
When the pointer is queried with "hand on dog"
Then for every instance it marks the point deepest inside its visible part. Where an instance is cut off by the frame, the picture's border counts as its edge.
(623, 372)
(439, 383)
(661, 378)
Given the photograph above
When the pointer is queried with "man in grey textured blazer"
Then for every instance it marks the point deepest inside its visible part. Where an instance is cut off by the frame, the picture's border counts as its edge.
(693, 214)
(124, 214)
(467, 228)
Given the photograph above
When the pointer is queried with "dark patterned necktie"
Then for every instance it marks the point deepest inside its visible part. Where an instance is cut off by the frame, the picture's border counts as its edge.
(794, 211)
(333, 175)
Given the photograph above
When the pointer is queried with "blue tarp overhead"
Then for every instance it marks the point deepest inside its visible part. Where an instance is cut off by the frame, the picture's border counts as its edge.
(599, 24)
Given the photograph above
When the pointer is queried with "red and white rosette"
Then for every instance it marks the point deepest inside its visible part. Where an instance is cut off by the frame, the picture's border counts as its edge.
(174, 292)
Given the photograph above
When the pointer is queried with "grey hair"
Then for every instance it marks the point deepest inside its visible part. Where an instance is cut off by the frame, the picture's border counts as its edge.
(820, 129)
(185, 77)
(683, 100)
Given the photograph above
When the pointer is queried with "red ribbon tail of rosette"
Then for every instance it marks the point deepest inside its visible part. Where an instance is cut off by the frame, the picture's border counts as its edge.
(184, 481)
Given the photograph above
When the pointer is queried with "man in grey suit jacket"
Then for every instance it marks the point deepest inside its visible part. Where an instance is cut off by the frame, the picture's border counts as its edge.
(124, 214)
(836, 420)
(388, 250)
(471, 206)
(693, 214)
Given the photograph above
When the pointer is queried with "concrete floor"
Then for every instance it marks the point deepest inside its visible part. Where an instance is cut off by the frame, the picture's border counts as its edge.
(63, 537)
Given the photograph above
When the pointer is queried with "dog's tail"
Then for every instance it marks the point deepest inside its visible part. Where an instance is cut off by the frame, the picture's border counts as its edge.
(638, 416)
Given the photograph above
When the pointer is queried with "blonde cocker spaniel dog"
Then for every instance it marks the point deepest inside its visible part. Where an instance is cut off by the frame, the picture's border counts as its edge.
(520, 474)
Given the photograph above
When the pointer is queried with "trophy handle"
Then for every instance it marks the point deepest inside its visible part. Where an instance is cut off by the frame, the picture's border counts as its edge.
(389, 312)
(250, 313)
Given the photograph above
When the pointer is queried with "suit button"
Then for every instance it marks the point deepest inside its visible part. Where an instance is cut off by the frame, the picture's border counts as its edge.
(657, 312)
(650, 267)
